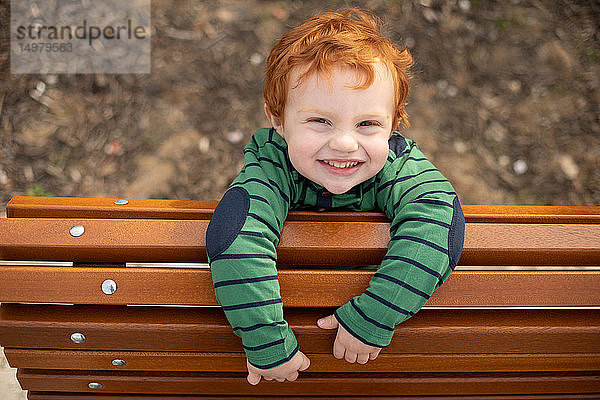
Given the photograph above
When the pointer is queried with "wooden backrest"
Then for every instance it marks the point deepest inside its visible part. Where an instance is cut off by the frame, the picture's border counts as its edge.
(532, 244)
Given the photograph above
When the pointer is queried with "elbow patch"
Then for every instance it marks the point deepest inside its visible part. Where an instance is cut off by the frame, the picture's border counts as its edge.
(456, 235)
(227, 221)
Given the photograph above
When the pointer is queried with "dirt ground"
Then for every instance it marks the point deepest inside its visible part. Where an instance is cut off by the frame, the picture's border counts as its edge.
(505, 102)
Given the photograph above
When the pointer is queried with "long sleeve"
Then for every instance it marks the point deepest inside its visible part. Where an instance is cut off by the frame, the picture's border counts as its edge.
(241, 243)
(426, 232)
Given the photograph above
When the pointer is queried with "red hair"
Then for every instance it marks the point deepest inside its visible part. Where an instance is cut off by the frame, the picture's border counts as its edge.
(349, 38)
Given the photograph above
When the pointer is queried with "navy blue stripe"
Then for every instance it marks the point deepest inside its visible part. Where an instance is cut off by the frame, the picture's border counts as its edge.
(278, 146)
(387, 303)
(241, 256)
(246, 280)
(256, 217)
(414, 263)
(264, 346)
(250, 233)
(251, 305)
(281, 193)
(402, 284)
(435, 191)
(257, 181)
(422, 241)
(366, 318)
(369, 187)
(275, 163)
(404, 178)
(432, 201)
(255, 142)
(259, 198)
(416, 159)
(257, 326)
(416, 186)
(394, 228)
(353, 333)
(390, 159)
(275, 364)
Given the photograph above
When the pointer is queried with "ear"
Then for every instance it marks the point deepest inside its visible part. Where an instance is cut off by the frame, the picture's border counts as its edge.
(275, 121)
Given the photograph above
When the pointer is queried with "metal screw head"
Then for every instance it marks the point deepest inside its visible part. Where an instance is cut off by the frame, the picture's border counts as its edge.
(120, 202)
(78, 337)
(76, 230)
(109, 286)
(117, 362)
(95, 385)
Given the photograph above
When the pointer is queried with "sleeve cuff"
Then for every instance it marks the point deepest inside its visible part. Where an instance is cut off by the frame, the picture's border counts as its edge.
(354, 323)
(273, 354)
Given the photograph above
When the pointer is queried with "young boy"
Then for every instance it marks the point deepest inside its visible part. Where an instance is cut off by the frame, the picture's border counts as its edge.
(335, 92)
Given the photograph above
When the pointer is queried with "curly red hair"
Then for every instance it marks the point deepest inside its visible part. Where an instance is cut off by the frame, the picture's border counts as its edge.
(351, 38)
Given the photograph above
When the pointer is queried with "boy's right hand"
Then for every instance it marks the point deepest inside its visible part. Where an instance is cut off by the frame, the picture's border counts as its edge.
(286, 371)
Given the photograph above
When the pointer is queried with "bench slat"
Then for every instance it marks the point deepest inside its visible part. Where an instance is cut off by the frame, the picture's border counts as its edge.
(83, 396)
(236, 362)
(299, 288)
(302, 243)
(206, 330)
(78, 207)
(389, 384)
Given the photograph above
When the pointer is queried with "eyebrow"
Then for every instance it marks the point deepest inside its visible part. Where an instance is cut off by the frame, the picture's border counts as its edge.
(315, 111)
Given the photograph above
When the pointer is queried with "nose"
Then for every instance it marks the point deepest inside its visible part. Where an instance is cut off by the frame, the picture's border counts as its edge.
(343, 142)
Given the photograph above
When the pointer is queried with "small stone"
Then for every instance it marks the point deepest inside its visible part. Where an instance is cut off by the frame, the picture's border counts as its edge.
(256, 59)
(464, 5)
(520, 167)
(204, 145)
(40, 87)
(234, 136)
(568, 166)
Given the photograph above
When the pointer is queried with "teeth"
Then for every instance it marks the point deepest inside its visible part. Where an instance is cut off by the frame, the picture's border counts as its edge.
(344, 164)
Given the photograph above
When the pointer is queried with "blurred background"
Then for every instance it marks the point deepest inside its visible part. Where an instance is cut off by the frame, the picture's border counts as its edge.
(505, 102)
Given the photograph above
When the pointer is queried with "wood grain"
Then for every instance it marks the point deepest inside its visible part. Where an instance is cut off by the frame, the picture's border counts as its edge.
(236, 362)
(206, 330)
(387, 384)
(83, 396)
(299, 288)
(79, 207)
(302, 242)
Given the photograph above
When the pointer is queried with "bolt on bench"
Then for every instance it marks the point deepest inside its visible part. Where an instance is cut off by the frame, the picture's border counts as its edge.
(105, 299)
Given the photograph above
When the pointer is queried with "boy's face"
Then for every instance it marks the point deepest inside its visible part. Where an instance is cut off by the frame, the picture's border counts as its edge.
(337, 136)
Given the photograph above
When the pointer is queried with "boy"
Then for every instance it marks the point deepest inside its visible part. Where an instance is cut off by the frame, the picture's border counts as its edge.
(335, 92)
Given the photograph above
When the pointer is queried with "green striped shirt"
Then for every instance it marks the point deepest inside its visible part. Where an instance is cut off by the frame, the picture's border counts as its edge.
(426, 233)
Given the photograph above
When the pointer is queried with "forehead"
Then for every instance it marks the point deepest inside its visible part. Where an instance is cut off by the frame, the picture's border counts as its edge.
(339, 88)
(338, 76)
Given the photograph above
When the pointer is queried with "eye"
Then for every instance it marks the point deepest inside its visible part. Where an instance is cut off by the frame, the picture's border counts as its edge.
(319, 120)
(369, 123)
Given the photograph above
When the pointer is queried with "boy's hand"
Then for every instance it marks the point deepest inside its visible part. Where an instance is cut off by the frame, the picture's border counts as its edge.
(286, 371)
(347, 346)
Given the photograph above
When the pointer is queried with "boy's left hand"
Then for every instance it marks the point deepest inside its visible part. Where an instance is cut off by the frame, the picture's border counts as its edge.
(347, 346)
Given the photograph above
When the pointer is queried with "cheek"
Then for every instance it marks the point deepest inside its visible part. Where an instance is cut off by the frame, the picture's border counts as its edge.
(378, 153)
(301, 153)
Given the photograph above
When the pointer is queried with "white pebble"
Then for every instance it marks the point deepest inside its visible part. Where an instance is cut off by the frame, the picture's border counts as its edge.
(520, 167)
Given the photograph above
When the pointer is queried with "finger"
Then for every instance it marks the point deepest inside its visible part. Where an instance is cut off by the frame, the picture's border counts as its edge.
(329, 322)
(305, 363)
(362, 358)
(350, 356)
(268, 378)
(373, 355)
(253, 378)
(292, 377)
(280, 379)
(338, 350)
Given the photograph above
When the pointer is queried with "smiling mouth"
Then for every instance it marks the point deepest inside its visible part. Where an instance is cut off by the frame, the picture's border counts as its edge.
(341, 164)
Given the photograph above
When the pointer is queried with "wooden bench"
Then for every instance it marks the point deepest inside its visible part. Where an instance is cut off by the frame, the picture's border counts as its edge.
(134, 314)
